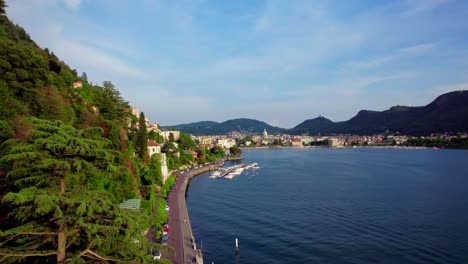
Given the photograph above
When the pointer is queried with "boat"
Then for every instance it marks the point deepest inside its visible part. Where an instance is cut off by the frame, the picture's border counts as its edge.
(237, 171)
(229, 176)
(215, 174)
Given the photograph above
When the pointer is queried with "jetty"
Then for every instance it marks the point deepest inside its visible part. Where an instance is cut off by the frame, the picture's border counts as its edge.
(230, 172)
(180, 233)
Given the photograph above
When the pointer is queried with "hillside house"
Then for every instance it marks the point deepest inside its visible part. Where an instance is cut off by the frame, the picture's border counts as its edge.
(153, 148)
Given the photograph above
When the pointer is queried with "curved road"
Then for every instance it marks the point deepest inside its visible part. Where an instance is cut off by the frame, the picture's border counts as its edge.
(180, 231)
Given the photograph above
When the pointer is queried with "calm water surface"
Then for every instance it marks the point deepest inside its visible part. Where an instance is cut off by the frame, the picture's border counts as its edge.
(336, 206)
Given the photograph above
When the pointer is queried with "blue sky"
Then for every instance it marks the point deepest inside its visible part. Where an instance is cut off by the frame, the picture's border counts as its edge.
(277, 61)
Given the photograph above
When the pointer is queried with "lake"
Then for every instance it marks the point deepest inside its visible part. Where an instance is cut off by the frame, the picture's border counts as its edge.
(336, 206)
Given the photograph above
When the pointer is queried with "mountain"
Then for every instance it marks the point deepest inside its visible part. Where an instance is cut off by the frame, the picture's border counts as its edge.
(314, 126)
(214, 128)
(447, 113)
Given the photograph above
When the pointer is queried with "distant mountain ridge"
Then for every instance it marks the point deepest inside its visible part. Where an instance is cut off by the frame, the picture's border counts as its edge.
(214, 128)
(447, 113)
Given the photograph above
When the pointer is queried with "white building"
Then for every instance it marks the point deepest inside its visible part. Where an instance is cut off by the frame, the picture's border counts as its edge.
(226, 143)
(153, 148)
(166, 134)
(335, 142)
(135, 112)
(164, 169)
(153, 127)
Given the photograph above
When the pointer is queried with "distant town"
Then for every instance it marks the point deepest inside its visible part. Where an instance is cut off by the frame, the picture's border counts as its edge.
(253, 140)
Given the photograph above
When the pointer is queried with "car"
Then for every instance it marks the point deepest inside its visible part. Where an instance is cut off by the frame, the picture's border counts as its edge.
(164, 240)
(166, 208)
(166, 228)
(156, 254)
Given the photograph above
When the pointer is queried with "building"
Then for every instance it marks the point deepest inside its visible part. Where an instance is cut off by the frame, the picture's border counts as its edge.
(335, 142)
(296, 143)
(135, 112)
(77, 84)
(164, 169)
(153, 127)
(166, 134)
(206, 141)
(267, 141)
(226, 143)
(307, 140)
(153, 148)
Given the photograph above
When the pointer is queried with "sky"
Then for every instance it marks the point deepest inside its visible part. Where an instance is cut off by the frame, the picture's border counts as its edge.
(278, 61)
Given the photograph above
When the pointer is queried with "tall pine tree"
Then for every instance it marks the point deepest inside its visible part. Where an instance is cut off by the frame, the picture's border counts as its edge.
(59, 210)
(141, 144)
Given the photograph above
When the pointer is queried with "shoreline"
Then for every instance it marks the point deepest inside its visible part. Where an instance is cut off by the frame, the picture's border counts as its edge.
(344, 147)
(182, 239)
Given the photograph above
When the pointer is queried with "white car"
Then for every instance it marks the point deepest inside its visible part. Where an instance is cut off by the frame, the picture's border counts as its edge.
(156, 254)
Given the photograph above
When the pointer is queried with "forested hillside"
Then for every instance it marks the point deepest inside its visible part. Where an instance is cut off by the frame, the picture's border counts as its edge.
(67, 161)
(213, 128)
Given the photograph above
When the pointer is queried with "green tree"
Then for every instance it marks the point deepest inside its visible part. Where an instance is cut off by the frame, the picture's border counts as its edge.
(141, 144)
(217, 150)
(84, 77)
(110, 103)
(235, 150)
(58, 208)
(2, 7)
(171, 137)
(185, 141)
(170, 149)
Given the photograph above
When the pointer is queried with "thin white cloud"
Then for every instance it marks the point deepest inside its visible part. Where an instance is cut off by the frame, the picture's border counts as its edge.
(419, 49)
(402, 53)
(413, 7)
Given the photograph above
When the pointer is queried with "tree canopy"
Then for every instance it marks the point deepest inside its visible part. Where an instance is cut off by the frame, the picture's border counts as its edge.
(61, 206)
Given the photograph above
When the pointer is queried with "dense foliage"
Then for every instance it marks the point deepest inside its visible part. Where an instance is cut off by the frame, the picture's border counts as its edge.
(455, 142)
(66, 185)
(66, 161)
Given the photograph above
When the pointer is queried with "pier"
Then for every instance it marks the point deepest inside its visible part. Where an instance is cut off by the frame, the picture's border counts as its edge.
(180, 230)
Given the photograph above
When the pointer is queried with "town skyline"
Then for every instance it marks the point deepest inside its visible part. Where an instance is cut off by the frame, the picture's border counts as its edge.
(280, 62)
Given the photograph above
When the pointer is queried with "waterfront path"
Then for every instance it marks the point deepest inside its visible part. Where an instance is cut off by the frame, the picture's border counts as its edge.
(180, 231)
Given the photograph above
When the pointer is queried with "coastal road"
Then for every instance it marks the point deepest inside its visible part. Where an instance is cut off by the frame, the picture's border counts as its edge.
(180, 232)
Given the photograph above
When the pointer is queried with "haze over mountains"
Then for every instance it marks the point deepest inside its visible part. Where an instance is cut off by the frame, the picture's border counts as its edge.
(447, 113)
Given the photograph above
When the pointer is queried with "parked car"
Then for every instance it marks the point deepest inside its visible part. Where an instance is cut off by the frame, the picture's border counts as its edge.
(164, 240)
(166, 228)
(156, 254)
(166, 208)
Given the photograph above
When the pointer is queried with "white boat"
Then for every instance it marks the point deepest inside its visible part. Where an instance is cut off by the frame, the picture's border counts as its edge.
(229, 176)
(238, 171)
(215, 174)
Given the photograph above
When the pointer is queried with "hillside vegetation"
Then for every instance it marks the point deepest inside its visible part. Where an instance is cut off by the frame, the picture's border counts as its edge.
(66, 162)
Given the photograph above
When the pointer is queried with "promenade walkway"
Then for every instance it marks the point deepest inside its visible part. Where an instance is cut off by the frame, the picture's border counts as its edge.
(180, 231)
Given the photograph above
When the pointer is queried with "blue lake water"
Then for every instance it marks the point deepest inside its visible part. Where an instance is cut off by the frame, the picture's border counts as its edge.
(336, 206)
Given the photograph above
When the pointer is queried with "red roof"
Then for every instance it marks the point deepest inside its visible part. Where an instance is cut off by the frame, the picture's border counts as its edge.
(153, 144)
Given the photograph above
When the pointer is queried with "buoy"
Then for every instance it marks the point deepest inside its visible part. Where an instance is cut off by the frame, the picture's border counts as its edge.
(237, 246)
